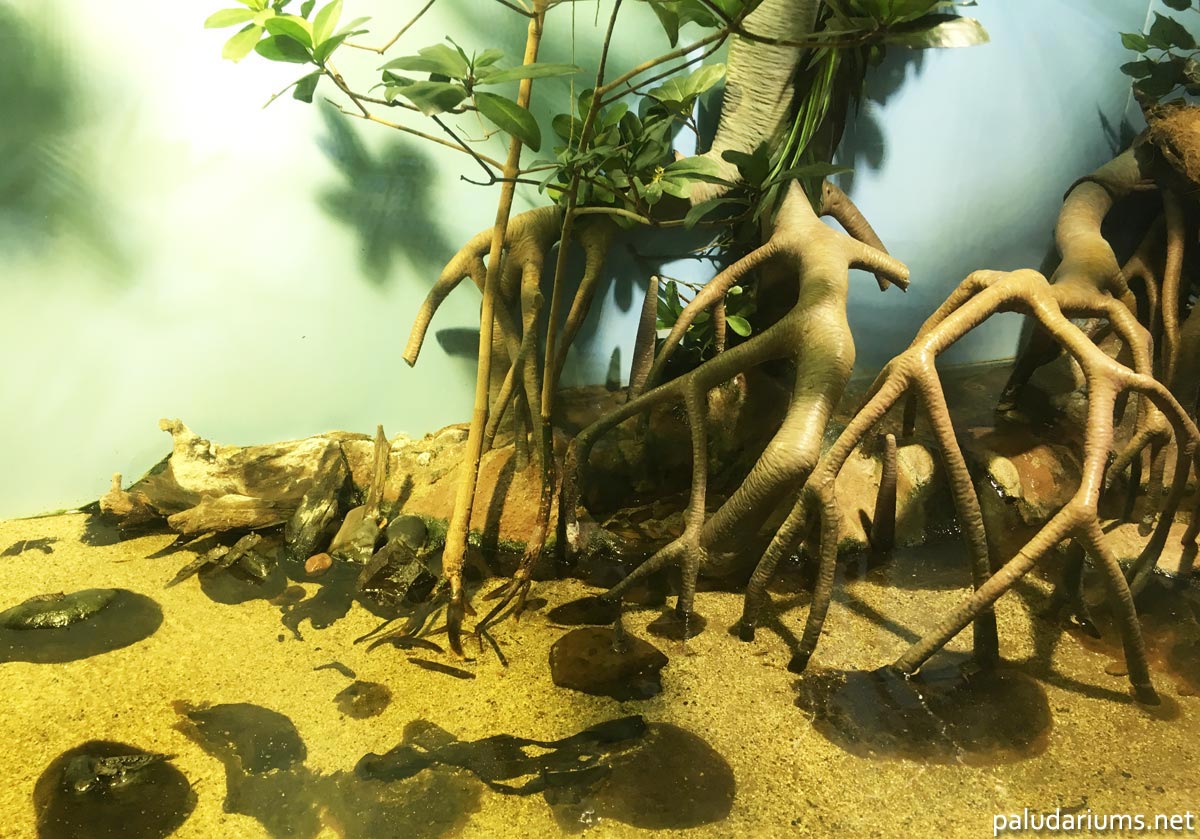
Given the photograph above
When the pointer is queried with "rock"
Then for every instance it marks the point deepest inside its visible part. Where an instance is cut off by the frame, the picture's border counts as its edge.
(54, 611)
(407, 530)
(103, 789)
(356, 539)
(585, 660)
(56, 628)
(1026, 476)
(318, 564)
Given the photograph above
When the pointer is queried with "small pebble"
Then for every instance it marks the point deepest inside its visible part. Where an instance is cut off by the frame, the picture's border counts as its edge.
(318, 564)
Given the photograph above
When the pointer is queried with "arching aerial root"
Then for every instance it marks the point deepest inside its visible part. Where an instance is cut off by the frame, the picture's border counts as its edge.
(976, 299)
(819, 258)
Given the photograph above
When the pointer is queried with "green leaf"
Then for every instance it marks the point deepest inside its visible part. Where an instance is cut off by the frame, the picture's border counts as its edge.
(239, 46)
(1178, 5)
(306, 87)
(282, 48)
(528, 71)
(510, 118)
(228, 17)
(669, 19)
(326, 21)
(1134, 41)
(739, 325)
(1164, 77)
(326, 47)
(695, 166)
(697, 213)
(940, 32)
(438, 58)
(810, 170)
(296, 28)
(1168, 32)
(1138, 69)
(753, 168)
(567, 127)
(306, 7)
(433, 97)
(652, 192)
(354, 27)
(487, 58)
(684, 89)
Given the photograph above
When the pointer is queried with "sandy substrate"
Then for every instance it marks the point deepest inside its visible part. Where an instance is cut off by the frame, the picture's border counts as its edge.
(1101, 751)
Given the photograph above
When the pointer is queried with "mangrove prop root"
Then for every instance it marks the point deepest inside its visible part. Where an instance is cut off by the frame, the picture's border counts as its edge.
(883, 523)
(818, 258)
(980, 296)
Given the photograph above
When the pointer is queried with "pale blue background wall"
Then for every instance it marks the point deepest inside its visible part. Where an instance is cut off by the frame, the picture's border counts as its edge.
(199, 257)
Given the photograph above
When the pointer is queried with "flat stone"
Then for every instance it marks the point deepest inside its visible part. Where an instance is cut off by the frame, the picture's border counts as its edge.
(585, 660)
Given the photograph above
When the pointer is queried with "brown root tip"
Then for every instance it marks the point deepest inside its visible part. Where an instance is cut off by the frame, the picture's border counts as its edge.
(1146, 695)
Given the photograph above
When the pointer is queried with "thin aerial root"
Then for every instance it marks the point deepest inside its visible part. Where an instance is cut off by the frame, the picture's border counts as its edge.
(643, 344)
(1173, 212)
(1154, 486)
(714, 290)
(719, 324)
(1067, 601)
(1186, 436)
(836, 203)
(883, 523)
(595, 239)
(1135, 483)
(823, 591)
(468, 262)
(509, 389)
(967, 510)
(1122, 599)
(1143, 266)
(756, 590)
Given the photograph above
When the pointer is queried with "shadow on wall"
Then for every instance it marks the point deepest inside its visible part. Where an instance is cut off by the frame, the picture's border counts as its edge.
(862, 143)
(47, 181)
(387, 199)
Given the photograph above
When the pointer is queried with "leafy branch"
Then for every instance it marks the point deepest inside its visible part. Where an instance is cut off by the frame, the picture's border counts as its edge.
(1168, 57)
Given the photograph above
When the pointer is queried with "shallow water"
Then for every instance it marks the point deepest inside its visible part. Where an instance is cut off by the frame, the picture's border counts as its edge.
(284, 718)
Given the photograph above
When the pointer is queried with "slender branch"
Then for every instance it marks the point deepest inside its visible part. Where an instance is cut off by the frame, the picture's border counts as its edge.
(345, 88)
(617, 211)
(389, 44)
(482, 163)
(518, 9)
(372, 118)
(396, 103)
(712, 48)
(650, 64)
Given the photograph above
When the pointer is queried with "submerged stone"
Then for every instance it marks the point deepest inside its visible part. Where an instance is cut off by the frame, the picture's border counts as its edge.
(672, 780)
(592, 660)
(945, 714)
(361, 700)
(46, 611)
(103, 789)
(55, 628)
